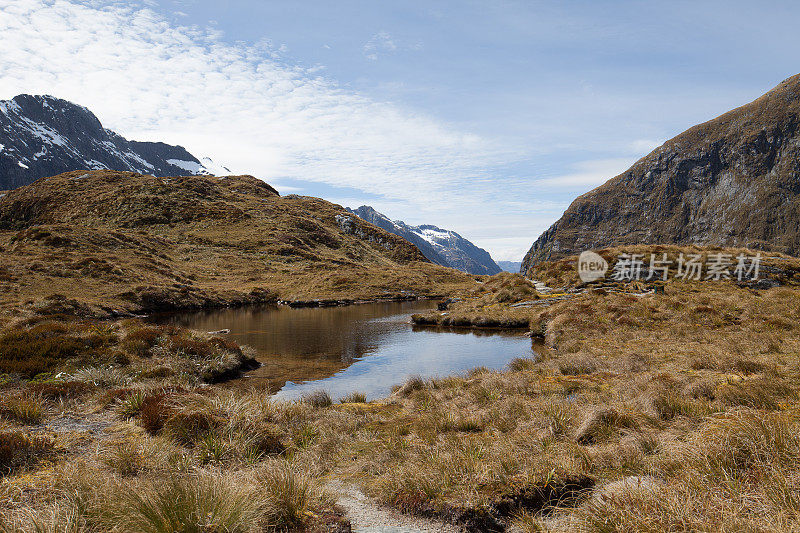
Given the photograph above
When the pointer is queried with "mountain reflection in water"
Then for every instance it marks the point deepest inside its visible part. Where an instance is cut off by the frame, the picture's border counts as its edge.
(365, 348)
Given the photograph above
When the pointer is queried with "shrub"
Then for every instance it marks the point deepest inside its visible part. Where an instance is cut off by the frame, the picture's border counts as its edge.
(68, 390)
(38, 349)
(192, 348)
(141, 341)
(153, 412)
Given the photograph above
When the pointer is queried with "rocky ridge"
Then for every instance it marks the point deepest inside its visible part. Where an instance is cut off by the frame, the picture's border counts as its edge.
(731, 181)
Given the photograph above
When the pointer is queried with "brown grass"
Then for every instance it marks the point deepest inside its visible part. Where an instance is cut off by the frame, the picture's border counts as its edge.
(675, 411)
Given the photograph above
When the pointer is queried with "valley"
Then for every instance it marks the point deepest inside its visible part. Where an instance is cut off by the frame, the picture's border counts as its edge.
(201, 353)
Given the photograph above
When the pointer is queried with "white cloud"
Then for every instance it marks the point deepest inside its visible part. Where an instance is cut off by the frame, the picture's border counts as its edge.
(242, 104)
(645, 146)
(588, 173)
(381, 42)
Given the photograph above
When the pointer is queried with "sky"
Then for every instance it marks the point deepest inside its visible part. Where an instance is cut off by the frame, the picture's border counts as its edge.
(487, 118)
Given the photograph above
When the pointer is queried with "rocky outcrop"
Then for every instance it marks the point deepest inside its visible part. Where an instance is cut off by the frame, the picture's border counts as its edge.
(732, 181)
(440, 246)
(43, 136)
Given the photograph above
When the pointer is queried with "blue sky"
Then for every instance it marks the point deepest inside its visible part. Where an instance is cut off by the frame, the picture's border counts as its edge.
(483, 117)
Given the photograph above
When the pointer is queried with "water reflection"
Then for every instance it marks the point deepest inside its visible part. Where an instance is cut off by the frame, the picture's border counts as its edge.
(366, 348)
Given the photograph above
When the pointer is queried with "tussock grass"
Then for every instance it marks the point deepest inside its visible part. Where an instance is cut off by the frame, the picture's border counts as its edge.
(19, 450)
(26, 409)
(602, 424)
(318, 399)
(354, 397)
(652, 412)
(759, 392)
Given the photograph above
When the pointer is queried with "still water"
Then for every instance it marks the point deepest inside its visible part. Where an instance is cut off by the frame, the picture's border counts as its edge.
(359, 348)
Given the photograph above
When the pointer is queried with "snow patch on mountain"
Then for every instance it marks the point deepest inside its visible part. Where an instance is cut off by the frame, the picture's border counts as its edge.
(43, 136)
(433, 236)
(214, 168)
(189, 166)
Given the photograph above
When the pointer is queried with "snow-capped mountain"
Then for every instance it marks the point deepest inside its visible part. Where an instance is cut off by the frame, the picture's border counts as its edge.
(44, 136)
(441, 246)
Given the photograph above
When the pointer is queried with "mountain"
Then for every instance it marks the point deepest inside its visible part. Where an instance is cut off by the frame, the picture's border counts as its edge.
(510, 266)
(43, 136)
(731, 181)
(440, 246)
(128, 243)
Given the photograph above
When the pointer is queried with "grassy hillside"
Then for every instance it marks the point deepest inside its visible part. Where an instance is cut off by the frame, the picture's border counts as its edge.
(109, 242)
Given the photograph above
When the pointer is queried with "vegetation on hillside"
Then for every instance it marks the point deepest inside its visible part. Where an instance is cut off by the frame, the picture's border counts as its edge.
(119, 243)
(676, 410)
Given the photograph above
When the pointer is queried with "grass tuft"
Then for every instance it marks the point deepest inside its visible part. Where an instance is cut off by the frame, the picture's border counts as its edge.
(318, 399)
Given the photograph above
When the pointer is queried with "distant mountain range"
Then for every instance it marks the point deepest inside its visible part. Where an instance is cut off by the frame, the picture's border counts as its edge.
(731, 181)
(43, 136)
(510, 266)
(440, 246)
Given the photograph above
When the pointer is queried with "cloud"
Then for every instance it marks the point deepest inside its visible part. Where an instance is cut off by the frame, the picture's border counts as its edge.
(645, 146)
(588, 174)
(380, 42)
(244, 105)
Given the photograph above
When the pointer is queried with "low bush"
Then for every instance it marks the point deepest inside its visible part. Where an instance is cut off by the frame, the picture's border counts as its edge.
(154, 411)
(141, 341)
(39, 349)
(60, 391)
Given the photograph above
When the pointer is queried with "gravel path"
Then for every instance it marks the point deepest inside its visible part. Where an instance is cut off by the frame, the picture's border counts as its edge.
(368, 517)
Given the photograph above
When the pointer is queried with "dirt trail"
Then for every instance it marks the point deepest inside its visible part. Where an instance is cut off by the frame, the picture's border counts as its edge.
(368, 517)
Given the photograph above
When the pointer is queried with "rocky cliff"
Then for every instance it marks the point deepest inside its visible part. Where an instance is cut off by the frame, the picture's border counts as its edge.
(731, 181)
